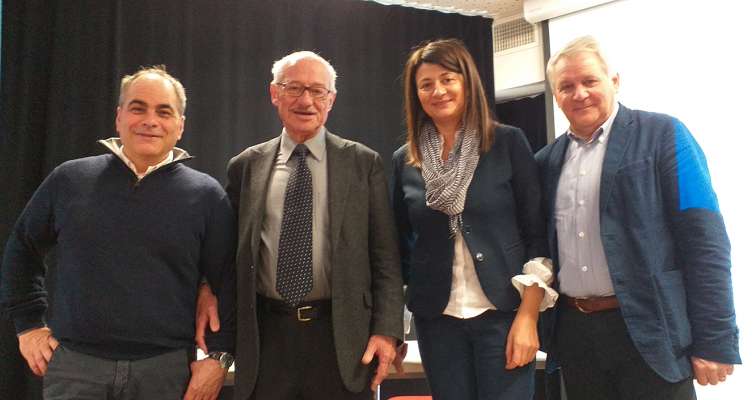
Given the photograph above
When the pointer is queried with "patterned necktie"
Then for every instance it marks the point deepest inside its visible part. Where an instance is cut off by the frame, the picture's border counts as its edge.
(294, 272)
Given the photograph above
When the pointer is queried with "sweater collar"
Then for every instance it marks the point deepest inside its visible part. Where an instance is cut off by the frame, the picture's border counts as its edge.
(114, 145)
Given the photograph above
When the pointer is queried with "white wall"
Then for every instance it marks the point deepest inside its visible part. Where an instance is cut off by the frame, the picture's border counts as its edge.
(693, 60)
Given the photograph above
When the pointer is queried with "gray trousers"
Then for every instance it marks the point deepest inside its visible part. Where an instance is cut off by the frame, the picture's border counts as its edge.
(73, 375)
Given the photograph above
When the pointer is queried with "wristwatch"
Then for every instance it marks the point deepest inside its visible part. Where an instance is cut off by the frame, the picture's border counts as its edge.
(225, 359)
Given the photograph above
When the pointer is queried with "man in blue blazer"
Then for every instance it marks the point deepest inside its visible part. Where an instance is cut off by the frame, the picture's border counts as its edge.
(641, 250)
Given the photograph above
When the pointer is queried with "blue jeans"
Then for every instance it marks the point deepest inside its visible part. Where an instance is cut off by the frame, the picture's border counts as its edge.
(464, 358)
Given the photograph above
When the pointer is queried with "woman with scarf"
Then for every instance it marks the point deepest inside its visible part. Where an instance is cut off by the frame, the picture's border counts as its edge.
(467, 203)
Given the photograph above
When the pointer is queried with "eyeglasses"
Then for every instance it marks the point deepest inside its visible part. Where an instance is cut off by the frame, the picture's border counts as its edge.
(296, 89)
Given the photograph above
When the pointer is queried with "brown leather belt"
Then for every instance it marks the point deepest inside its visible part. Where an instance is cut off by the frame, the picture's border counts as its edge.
(590, 304)
(306, 311)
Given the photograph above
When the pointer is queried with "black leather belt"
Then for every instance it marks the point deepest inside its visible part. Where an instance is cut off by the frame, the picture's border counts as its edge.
(305, 311)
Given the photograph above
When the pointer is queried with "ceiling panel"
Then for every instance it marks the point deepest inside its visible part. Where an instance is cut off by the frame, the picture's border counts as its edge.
(496, 9)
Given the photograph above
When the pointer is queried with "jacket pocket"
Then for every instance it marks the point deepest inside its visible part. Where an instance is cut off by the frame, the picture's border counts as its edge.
(636, 167)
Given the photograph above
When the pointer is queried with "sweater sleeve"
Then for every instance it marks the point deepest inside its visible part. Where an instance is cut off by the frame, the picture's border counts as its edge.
(217, 265)
(22, 275)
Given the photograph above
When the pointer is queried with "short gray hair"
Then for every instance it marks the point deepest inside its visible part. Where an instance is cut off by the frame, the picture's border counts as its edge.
(161, 71)
(281, 65)
(583, 44)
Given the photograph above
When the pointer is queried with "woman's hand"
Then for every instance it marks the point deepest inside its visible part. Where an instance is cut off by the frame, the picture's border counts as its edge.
(522, 340)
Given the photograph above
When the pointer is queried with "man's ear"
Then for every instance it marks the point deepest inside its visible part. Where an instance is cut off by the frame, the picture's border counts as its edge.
(331, 100)
(181, 127)
(274, 94)
(616, 82)
(117, 116)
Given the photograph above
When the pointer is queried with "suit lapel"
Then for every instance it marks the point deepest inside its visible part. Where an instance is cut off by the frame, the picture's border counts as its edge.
(258, 172)
(340, 175)
(619, 138)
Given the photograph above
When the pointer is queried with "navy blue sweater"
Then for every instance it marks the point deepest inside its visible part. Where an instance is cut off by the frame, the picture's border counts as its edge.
(128, 258)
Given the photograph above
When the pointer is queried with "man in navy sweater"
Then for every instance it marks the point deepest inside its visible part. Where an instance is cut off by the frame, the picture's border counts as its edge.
(134, 232)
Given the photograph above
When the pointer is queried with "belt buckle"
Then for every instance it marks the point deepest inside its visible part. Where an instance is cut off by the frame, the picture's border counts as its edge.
(582, 310)
(300, 318)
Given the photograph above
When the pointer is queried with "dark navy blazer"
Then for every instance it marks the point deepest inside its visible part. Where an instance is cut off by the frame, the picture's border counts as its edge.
(665, 241)
(503, 225)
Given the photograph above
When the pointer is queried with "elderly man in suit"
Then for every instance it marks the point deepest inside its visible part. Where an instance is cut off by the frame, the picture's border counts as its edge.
(317, 262)
(643, 257)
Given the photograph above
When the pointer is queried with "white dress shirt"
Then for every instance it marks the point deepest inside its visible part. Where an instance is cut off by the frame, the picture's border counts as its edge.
(119, 152)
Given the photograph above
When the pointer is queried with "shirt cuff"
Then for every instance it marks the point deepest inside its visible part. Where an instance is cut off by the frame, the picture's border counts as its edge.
(538, 271)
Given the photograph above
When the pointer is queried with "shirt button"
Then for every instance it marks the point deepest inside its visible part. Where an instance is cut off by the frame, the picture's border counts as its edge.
(582, 173)
(584, 268)
(581, 234)
(581, 202)
(479, 256)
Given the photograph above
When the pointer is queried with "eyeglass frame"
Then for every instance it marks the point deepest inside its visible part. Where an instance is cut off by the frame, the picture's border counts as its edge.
(305, 88)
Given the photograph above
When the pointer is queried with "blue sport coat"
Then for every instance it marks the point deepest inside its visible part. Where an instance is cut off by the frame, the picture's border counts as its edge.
(665, 242)
(503, 225)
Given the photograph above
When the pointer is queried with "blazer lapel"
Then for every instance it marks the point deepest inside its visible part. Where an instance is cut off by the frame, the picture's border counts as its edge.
(619, 139)
(554, 171)
(340, 175)
(554, 165)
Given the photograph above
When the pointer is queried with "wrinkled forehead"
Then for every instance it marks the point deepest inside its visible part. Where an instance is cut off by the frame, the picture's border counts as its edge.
(152, 85)
(582, 61)
(306, 71)
(152, 88)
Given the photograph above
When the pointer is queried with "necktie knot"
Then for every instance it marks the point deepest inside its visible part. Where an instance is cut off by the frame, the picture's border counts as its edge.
(301, 151)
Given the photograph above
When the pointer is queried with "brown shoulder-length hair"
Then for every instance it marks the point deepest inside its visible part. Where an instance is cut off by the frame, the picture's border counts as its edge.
(452, 55)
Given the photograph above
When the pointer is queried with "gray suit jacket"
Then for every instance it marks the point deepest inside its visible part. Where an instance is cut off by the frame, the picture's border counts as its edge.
(366, 280)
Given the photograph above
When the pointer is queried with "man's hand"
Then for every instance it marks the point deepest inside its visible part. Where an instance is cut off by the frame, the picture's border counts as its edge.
(207, 380)
(37, 347)
(401, 352)
(385, 348)
(207, 311)
(710, 372)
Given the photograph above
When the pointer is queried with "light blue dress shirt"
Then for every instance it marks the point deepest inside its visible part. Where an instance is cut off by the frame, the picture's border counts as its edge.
(583, 270)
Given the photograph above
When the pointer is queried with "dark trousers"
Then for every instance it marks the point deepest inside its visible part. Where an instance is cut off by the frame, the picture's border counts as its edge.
(73, 375)
(464, 359)
(298, 360)
(599, 361)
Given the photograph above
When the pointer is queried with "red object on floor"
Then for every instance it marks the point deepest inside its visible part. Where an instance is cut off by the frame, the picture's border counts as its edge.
(411, 398)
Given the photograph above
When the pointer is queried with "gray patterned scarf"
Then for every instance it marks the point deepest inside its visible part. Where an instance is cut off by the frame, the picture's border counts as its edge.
(446, 182)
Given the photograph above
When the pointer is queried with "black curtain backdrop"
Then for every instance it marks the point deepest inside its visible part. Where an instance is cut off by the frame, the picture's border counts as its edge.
(62, 61)
(528, 113)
